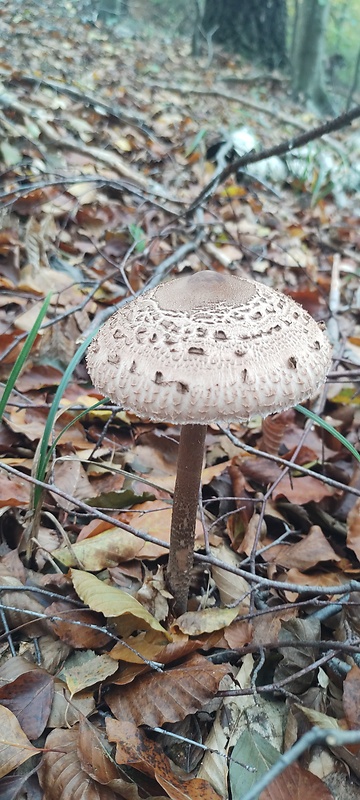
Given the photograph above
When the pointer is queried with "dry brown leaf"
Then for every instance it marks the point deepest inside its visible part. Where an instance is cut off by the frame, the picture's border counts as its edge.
(305, 554)
(29, 697)
(93, 751)
(22, 602)
(106, 550)
(38, 377)
(267, 626)
(167, 696)
(15, 747)
(67, 710)
(31, 422)
(236, 635)
(132, 747)
(157, 522)
(312, 579)
(353, 529)
(151, 646)
(113, 546)
(61, 775)
(273, 429)
(302, 490)
(76, 635)
(351, 697)
(231, 587)
(13, 491)
(295, 783)
(70, 477)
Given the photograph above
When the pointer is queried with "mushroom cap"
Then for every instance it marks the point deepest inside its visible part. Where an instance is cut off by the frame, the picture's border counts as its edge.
(209, 348)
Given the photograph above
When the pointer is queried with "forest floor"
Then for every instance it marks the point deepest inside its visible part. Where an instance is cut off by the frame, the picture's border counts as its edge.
(106, 139)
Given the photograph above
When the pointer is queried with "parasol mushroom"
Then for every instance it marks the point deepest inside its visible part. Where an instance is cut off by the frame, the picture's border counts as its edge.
(206, 348)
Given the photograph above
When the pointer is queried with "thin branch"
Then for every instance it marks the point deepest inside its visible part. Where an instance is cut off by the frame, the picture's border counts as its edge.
(342, 589)
(332, 737)
(100, 629)
(278, 150)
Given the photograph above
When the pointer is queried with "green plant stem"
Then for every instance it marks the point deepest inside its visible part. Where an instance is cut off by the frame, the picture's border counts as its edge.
(43, 451)
(327, 427)
(21, 359)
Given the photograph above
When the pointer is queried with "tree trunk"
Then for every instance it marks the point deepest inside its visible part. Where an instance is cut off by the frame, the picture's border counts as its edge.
(111, 11)
(255, 28)
(308, 54)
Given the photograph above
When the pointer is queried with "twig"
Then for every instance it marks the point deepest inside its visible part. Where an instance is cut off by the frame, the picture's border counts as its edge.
(304, 470)
(7, 632)
(331, 737)
(87, 99)
(276, 687)
(278, 150)
(232, 98)
(101, 629)
(344, 588)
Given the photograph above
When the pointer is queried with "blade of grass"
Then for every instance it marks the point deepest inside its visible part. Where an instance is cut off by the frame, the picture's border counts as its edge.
(76, 419)
(20, 361)
(43, 451)
(327, 427)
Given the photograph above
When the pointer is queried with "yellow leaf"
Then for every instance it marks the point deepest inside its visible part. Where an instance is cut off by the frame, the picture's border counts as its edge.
(99, 552)
(127, 613)
(211, 619)
(94, 670)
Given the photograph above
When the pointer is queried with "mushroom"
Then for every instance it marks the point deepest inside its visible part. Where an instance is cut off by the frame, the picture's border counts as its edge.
(206, 348)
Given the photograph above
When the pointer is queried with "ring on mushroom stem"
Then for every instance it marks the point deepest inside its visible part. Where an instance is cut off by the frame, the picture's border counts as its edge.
(205, 348)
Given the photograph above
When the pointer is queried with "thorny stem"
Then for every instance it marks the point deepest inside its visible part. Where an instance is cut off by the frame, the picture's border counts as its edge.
(186, 495)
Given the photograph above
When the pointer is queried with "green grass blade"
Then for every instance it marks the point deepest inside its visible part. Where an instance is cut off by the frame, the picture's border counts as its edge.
(43, 452)
(20, 361)
(327, 427)
(76, 419)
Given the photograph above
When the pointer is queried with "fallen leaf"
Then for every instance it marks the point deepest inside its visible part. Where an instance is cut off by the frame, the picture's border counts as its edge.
(15, 747)
(93, 670)
(295, 783)
(302, 490)
(29, 697)
(167, 696)
(61, 775)
(93, 751)
(195, 623)
(127, 614)
(232, 588)
(13, 491)
(67, 710)
(133, 747)
(351, 697)
(305, 554)
(353, 529)
(77, 635)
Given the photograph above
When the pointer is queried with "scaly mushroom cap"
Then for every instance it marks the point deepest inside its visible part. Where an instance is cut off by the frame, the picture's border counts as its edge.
(209, 347)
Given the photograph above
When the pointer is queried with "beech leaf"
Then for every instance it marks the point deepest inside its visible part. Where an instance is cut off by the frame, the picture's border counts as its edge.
(168, 696)
(133, 747)
(15, 747)
(128, 614)
(61, 775)
(29, 697)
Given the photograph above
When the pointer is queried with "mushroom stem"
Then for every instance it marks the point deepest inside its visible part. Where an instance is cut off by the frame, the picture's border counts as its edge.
(186, 496)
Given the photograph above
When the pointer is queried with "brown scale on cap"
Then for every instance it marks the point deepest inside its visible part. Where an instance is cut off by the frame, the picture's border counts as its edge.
(209, 347)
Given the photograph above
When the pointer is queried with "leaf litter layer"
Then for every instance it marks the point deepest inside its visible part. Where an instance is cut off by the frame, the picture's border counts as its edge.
(103, 694)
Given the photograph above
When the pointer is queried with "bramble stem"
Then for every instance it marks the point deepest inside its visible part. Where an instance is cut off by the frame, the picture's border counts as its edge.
(186, 495)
